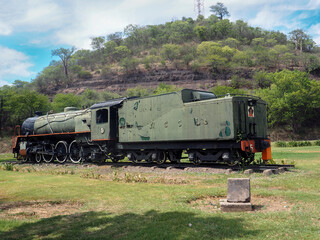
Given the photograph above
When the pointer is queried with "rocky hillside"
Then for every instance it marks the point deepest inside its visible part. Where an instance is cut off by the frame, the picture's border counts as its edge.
(119, 83)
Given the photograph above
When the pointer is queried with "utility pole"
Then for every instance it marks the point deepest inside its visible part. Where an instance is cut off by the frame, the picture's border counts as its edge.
(199, 7)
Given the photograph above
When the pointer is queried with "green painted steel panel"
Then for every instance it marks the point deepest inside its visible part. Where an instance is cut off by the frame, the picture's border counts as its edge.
(167, 118)
(61, 122)
(100, 130)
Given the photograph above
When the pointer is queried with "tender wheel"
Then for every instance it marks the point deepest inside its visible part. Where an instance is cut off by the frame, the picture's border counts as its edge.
(175, 156)
(38, 158)
(161, 158)
(48, 157)
(196, 161)
(61, 151)
(74, 152)
(131, 156)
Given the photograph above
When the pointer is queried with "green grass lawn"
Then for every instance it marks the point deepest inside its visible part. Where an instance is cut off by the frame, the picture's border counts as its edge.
(69, 204)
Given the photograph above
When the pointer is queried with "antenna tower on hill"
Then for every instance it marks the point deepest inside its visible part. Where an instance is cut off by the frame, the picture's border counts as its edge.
(199, 7)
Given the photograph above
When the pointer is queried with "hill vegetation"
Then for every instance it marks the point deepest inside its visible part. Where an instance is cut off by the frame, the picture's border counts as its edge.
(270, 64)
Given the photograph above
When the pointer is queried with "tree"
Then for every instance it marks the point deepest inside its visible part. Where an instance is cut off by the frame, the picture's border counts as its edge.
(171, 51)
(21, 104)
(120, 53)
(293, 99)
(201, 32)
(61, 101)
(20, 84)
(137, 92)
(165, 88)
(219, 10)
(211, 54)
(298, 36)
(129, 64)
(64, 54)
(116, 37)
(97, 43)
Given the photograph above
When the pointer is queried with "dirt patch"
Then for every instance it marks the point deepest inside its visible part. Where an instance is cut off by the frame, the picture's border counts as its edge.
(260, 204)
(38, 209)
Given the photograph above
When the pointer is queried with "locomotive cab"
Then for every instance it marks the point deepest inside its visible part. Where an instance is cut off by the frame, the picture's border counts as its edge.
(104, 120)
(100, 126)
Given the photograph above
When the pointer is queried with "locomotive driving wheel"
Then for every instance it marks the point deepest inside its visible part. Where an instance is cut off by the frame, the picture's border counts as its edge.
(48, 157)
(38, 158)
(61, 151)
(74, 150)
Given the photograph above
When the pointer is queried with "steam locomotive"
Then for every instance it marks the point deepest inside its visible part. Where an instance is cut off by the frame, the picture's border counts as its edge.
(206, 128)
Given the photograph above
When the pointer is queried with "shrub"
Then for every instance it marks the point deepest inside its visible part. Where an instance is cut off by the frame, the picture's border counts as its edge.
(299, 143)
(281, 144)
(84, 75)
(292, 144)
(317, 143)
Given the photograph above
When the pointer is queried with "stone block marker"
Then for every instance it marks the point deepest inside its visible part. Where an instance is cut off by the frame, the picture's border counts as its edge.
(239, 196)
(226, 206)
(238, 190)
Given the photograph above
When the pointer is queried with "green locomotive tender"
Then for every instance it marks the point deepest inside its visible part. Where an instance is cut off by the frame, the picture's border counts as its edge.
(156, 128)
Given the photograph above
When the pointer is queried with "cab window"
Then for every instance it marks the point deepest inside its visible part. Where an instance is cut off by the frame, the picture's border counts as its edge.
(102, 116)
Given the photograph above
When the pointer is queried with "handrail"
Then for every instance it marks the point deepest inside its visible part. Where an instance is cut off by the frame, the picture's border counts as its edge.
(238, 94)
(14, 137)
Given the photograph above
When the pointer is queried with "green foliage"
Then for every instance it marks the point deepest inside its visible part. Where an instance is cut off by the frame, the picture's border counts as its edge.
(293, 98)
(317, 143)
(211, 54)
(61, 101)
(7, 166)
(150, 61)
(137, 92)
(231, 42)
(201, 32)
(89, 97)
(165, 88)
(97, 42)
(85, 74)
(129, 64)
(281, 144)
(238, 82)
(263, 79)
(21, 104)
(64, 54)
(105, 95)
(299, 144)
(170, 52)
(219, 10)
(120, 53)
(243, 59)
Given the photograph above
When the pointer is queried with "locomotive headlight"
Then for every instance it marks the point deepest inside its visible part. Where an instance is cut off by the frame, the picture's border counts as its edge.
(225, 156)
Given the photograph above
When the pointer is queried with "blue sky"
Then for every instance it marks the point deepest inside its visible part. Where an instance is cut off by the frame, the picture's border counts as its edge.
(30, 29)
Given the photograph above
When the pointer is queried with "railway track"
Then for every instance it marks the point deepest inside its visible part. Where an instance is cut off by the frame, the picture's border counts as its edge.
(177, 166)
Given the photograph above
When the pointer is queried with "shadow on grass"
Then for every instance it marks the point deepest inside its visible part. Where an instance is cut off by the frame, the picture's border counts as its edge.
(151, 225)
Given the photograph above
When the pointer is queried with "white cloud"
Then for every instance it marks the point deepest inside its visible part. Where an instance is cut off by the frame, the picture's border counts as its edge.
(313, 4)
(4, 29)
(73, 22)
(3, 83)
(13, 63)
(314, 31)
(267, 18)
(30, 15)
